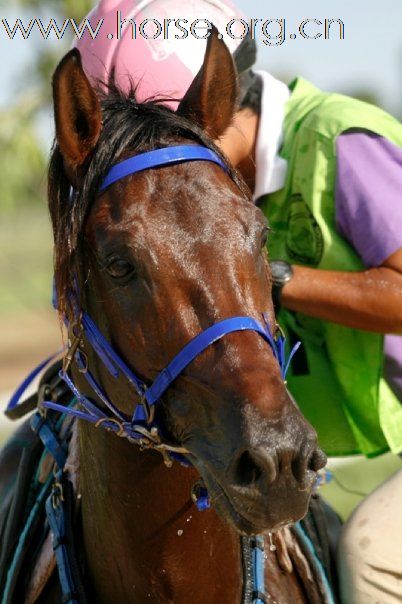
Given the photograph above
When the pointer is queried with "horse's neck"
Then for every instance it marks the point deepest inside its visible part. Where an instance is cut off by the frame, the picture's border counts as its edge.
(144, 539)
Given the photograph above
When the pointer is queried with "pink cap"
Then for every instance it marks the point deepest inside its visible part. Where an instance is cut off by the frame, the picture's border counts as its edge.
(161, 67)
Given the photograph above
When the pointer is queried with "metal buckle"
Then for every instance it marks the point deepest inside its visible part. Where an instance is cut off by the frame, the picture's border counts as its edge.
(83, 368)
(195, 490)
(43, 390)
(48, 391)
(149, 409)
(279, 331)
(57, 494)
(57, 488)
(73, 344)
(111, 420)
(152, 440)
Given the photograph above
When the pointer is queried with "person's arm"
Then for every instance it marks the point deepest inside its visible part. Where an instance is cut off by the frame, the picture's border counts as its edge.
(369, 215)
(370, 300)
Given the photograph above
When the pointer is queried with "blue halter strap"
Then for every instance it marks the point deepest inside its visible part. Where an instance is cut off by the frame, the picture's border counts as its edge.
(150, 395)
(141, 424)
(140, 427)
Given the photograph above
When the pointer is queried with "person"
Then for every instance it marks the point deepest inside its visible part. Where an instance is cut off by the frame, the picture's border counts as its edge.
(327, 172)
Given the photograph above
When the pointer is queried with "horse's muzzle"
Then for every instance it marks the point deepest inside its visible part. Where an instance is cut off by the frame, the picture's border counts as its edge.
(265, 489)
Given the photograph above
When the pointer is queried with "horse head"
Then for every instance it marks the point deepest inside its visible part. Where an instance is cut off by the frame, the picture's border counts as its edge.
(160, 256)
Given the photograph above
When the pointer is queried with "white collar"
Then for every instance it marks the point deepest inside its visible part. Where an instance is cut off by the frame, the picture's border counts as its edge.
(270, 168)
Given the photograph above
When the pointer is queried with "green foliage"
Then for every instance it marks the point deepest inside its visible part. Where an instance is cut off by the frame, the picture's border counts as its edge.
(25, 261)
(75, 9)
(25, 238)
(22, 160)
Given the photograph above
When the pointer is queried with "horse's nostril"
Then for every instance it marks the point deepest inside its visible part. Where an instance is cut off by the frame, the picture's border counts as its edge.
(255, 465)
(317, 460)
(314, 461)
(247, 471)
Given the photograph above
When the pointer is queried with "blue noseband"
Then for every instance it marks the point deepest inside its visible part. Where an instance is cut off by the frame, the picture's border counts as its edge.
(141, 427)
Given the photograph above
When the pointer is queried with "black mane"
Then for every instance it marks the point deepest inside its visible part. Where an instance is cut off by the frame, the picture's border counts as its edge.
(127, 124)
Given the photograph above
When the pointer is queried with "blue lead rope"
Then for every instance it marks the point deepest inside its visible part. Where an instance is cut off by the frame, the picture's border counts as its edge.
(19, 392)
(55, 510)
(316, 562)
(56, 516)
(258, 568)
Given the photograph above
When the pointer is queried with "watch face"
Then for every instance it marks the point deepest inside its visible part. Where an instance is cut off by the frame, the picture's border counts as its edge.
(281, 271)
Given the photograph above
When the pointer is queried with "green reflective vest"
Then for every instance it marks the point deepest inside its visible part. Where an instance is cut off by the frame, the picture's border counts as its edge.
(337, 377)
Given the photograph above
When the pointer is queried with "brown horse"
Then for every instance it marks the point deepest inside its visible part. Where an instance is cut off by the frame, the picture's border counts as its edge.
(159, 257)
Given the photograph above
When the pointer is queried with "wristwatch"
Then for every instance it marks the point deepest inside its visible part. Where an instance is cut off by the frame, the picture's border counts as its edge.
(282, 272)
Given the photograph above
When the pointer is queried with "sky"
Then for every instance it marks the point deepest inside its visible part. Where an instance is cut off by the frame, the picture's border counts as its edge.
(369, 57)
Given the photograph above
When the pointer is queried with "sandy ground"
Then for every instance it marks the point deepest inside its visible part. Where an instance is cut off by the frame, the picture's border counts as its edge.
(26, 339)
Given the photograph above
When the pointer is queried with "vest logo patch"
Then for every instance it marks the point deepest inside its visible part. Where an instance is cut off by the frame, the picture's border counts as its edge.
(304, 240)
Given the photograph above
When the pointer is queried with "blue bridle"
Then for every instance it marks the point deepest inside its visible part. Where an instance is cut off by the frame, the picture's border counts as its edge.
(141, 426)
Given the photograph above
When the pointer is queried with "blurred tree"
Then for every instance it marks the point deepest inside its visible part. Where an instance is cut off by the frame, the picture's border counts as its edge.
(49, 54)
(22, 160)
(25, 234)
(23, 157)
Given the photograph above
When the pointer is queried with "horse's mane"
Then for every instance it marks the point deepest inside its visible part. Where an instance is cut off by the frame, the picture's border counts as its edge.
(127, 124)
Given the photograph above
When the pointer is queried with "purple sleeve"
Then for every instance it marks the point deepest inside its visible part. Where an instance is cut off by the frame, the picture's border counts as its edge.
(368, 195)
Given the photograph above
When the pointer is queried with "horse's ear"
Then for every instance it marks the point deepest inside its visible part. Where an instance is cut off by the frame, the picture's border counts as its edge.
(77, 112)
(211, 99)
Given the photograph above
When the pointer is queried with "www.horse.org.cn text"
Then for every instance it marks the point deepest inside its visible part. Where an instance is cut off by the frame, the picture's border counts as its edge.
(272, 31)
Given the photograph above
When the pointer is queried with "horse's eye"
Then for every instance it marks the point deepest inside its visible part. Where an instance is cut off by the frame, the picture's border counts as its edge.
(119, 269)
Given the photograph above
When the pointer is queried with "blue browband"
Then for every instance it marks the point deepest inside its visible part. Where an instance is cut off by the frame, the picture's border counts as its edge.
(157, 158)
(141, 427)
